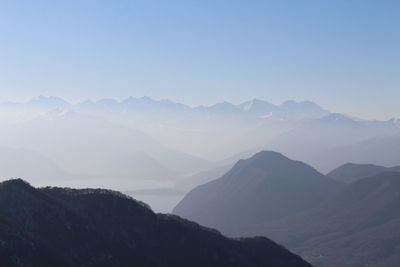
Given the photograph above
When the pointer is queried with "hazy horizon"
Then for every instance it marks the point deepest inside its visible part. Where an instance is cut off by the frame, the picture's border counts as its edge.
(342, 55)
(207, 104)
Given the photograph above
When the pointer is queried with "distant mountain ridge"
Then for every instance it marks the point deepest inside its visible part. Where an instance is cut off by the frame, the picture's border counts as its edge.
(383, 150)
(180, 126)
(180, 141)
(352, 172)
(254, 106)
(93, 227)
(335, 139)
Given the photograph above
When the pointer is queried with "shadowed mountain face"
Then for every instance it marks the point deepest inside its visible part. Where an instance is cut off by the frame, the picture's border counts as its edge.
(95, 227)
(266, 187)
(359, 226)
(351, 172)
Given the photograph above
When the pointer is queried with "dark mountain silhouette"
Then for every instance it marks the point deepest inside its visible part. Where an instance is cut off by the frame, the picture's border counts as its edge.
(359, 226)
(351, 172)
(95, 227)
(266, 187)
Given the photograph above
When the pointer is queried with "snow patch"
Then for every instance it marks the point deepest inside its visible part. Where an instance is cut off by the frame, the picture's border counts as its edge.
(266, 116)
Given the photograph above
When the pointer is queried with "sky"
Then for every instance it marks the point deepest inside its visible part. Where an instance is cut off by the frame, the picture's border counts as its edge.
(342, 54)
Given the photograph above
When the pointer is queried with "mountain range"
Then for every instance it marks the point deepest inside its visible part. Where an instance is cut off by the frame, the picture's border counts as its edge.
(302, 130)
(255, 106)
(349, 218)
(142, 143)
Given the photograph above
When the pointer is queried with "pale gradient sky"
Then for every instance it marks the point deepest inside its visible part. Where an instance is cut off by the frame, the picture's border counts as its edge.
(344, 55)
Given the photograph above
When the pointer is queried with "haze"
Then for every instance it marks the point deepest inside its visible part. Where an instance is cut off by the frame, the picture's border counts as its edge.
(157, 150)
(343, 55)
(200, 133)
(140, 96)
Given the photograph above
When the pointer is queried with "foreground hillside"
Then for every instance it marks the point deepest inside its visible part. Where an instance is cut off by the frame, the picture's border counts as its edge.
(94, 227)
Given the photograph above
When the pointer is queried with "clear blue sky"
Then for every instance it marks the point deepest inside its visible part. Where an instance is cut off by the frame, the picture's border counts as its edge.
(344, 55)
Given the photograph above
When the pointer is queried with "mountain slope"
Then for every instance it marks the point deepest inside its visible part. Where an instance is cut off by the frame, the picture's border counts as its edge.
(266, 187)
(190, 182)
(360, 226)
(351, 172)
(94, 227)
